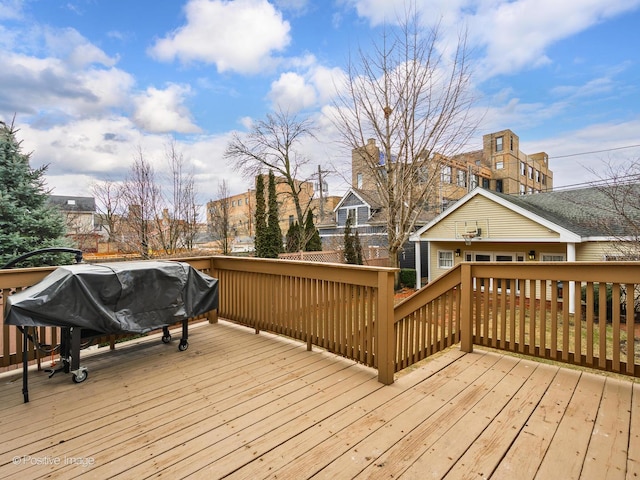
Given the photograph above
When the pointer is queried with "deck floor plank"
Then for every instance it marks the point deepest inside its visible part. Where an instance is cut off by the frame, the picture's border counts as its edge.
(567, 451)
(487, 451)
(526, 453)
(442, 455)
(238, 405)
(608, 448)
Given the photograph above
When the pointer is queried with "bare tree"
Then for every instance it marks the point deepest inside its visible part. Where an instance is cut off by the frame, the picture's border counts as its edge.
(177, 214)
(108, 195)
(141, 196)
(219, 218)
(616, 210)
(271, 145)
(416, 102)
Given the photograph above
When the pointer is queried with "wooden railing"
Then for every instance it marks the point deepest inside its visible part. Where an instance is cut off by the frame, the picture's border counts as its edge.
(343, 309)
(578, 313)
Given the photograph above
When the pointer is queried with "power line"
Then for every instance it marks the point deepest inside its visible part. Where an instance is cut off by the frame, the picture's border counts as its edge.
(595, 151)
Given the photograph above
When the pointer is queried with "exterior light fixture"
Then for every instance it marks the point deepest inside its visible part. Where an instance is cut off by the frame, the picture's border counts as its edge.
(532, 254)
(457, 252)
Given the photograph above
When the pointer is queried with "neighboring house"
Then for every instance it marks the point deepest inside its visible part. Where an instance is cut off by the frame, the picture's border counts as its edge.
(572, 225)
(80, 219)
(368, 218)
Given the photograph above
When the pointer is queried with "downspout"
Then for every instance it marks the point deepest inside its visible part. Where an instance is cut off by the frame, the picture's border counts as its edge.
(571, 257)
(418, 263)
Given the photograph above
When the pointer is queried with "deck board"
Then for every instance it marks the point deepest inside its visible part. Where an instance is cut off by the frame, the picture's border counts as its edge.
(243, 406)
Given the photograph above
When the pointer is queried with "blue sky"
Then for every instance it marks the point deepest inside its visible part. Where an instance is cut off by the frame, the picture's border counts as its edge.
(91, 82)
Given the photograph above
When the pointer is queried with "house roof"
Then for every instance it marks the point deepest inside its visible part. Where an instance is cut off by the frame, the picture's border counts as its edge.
(585, 213)
(73, 204)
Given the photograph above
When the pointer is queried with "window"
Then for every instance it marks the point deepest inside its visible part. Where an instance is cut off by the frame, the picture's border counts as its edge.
(530, 172)
(445, 174)
(474, 181)
(544, 179)
(552, 257)
(499, 165)
(499, 186)
(511, 142)
(523, 189)
(352, 213)
(71, 202)
(359, 180)
(246, 201)
(445, 258)
(462, 178)
(523, 168)
(537, 175)
(485, 183)
(499, 145)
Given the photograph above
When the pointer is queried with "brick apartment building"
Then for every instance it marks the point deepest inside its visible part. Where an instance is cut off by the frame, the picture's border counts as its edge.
(242, 208)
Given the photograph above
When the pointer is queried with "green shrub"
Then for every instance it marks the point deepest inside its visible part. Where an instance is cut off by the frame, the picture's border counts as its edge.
(408, 277)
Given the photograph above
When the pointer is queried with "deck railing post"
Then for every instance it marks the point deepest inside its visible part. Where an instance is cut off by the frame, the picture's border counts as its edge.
(385, 328)
(212, 315)
(466, 308)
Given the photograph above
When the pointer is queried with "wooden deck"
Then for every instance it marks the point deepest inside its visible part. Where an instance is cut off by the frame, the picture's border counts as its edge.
(239, 405)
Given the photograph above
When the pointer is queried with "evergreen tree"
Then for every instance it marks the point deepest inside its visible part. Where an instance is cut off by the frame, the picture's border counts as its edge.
(27, 221)
(349, 244)
(358, 248)
(312, 236)
(294, 235)
(261, 218)
(273, 242)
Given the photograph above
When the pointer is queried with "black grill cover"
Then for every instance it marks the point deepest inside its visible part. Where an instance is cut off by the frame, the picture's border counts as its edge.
(116, 297)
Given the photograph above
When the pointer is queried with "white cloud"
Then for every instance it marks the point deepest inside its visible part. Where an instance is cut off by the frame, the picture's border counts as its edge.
(71, 47)
(239, 36)
(513, 34)
(517, 34)
(11, 9)
(315, 86)
(290, 92)
(571, 169)
(163, 111)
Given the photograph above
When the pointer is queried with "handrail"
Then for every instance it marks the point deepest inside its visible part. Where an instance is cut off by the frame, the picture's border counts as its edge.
(15, 261)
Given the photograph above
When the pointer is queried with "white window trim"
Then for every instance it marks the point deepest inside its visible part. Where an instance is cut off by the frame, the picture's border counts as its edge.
(547, 254)
(441, 266)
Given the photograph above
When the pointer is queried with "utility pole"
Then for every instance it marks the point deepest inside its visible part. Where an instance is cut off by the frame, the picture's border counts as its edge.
(321, 187)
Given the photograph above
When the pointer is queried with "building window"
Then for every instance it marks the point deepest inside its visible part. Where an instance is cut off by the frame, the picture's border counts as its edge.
(511, 142)
(359, 180)
(499, 186)
(445, 174)
(552, 257)
(474, 181)
(445, 259)
(530, 172)
(523, 189)
(462, 178)
(71, 202)
(544, 179)
(537, 174)
(499, 165)
(485, 183)
(523, 168)
(352, 213)
(246, 201)
(499, 145)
